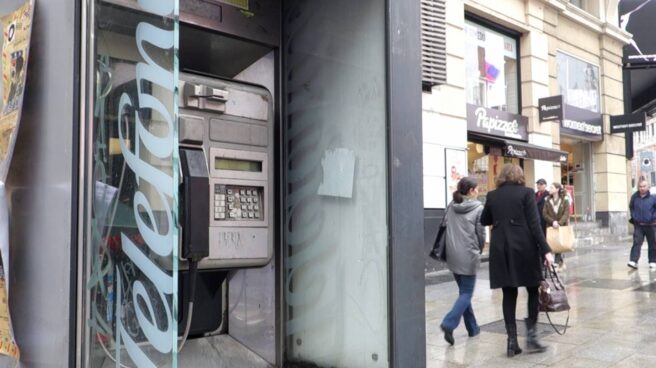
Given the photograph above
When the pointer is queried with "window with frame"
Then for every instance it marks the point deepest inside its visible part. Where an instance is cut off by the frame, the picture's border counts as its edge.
(491, 63)
(578, 82)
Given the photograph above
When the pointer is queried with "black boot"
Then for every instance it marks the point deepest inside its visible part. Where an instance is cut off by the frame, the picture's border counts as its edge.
(532, 342)
(513, 346)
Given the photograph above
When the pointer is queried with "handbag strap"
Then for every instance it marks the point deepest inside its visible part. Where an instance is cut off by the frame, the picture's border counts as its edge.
(554, 326)
(555, 279)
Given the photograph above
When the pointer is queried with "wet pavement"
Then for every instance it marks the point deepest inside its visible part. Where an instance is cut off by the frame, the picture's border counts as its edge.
(612, 322)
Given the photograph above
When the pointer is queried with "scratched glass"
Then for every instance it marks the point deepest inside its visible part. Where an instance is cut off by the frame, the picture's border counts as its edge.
(335, 266)
(130, 301)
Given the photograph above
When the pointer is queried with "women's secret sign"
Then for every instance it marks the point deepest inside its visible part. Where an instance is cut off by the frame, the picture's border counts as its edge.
(154, 196)
(496, 122)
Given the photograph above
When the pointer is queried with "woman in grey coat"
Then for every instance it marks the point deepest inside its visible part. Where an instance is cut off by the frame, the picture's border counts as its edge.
(465, 237)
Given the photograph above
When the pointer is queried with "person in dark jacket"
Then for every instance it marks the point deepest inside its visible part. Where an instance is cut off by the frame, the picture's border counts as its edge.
(540, 196)
(556, 213)
(465, 236)
(517, 248)
(643, 213)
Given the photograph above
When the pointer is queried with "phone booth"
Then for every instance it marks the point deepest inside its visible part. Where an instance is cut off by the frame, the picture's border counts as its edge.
(203, 183)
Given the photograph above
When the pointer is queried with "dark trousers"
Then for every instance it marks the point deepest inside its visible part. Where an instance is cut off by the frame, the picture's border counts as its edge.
(510, 304)
(640, 232)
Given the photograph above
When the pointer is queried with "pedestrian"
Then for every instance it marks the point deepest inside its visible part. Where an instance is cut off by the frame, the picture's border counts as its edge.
(465, 237)
(643, 215)
(517, 250)
(540, 196)
(556, 213)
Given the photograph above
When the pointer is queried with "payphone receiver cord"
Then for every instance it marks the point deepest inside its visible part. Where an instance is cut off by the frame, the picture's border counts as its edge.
(193, 271)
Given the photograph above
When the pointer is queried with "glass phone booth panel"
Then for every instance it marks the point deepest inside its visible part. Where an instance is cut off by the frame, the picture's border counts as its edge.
(131, 238)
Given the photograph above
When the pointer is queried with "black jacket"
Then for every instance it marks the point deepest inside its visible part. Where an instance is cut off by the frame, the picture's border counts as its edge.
(540, 203)
(517, 245)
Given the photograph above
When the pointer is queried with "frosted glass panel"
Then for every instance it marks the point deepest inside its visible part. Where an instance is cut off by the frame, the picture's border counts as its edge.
(335, 276)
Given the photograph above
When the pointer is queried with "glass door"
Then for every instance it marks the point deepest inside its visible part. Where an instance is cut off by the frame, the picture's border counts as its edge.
(131, 183)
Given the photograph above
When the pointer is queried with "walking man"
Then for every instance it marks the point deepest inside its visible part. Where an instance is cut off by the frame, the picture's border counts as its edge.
(643, 213)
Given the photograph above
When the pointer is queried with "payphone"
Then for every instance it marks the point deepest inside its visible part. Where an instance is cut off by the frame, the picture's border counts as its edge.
(231, 123)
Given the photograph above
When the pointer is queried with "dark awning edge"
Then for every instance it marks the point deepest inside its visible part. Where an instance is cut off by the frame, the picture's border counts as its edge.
(518, 149)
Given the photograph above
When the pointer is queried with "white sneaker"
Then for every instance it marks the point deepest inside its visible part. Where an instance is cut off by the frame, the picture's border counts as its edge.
(652, 266)
(632, 265)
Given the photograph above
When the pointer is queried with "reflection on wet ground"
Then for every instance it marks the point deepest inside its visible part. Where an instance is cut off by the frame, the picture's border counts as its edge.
(612, 321)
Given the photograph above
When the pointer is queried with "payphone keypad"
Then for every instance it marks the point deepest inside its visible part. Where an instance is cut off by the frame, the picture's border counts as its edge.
(238, 203)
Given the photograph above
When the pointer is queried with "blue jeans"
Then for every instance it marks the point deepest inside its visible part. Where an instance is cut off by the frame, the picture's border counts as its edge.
(462, 307)
(641, 232)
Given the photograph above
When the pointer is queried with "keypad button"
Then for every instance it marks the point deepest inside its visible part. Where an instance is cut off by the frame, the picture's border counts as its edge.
(222, 197)
(255, 200)
(231, 206)
(231, 199)
(257, 215)
(243, 206)
(221, 203)
(250, 214)
(244, 214)
(242, 192)
(221, 209)
(256, 207)
(250, 207)
(233, 215)
(249, 200)
(229, 191)
(221, 216)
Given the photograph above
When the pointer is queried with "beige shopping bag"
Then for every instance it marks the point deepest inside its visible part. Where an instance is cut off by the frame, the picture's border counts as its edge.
(561, 240)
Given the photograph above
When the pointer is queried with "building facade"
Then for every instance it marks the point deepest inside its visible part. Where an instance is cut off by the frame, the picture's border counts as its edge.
(502, 58)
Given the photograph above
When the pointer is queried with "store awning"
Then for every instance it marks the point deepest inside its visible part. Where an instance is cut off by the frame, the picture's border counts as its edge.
(518, 149)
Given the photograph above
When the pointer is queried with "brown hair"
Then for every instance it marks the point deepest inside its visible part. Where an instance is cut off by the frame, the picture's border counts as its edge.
(561, 190)
(510, 174)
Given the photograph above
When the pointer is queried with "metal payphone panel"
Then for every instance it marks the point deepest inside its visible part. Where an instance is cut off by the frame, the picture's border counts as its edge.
(233, 124)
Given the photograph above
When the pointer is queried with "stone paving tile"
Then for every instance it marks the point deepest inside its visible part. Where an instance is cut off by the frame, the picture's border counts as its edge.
(612, 321)
(573, 362)
(637, 360)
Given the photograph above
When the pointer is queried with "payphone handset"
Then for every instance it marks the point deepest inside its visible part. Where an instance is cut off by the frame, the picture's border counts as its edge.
(231, 122)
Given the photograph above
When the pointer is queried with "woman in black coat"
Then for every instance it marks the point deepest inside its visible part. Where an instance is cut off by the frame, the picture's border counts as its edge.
(517, 250)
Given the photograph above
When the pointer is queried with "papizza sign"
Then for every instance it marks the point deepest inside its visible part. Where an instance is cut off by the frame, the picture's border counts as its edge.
(151, 294)
(496, 123)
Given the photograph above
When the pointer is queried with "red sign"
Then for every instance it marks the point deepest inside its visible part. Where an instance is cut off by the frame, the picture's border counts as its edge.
(570, 192)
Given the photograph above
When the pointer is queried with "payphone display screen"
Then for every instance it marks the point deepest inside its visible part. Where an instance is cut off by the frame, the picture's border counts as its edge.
(221, 163)
(238, 203)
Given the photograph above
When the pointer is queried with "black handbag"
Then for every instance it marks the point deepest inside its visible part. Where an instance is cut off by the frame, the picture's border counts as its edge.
(438, 252)
(552, 296)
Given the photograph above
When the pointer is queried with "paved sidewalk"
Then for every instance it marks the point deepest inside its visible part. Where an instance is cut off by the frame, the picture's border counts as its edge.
(612, 321)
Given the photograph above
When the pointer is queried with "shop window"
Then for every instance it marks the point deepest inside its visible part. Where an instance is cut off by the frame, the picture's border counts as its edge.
(578, 82)
(491, 62)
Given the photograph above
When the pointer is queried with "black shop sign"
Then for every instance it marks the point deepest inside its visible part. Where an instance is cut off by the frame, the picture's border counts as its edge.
(496, 123)
(574, 121)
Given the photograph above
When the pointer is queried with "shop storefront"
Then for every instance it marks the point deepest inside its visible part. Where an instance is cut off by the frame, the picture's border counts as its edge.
(496, 132)
(496, 138)
(216, 183)
(580, 125)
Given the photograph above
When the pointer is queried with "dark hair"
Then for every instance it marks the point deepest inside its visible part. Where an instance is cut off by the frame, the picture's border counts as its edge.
(464, 186)
(510, 174)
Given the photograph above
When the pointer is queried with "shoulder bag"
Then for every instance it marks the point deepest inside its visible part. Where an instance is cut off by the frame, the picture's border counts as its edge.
(439, 245)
